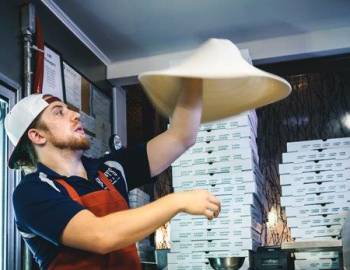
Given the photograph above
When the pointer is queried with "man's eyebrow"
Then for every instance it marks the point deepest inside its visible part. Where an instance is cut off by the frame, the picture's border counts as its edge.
(57, 106)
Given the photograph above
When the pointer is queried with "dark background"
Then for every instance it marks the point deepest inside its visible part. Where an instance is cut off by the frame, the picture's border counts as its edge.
(320, 99)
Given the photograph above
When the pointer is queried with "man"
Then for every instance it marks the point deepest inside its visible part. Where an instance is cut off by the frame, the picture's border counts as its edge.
(73, 211)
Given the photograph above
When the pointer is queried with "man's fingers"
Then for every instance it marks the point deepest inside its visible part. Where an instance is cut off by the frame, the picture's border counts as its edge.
(209, 214)
(215, 201)
(213, 207)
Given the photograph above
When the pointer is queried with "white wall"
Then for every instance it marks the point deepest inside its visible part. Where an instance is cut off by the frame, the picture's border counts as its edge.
(317, 43)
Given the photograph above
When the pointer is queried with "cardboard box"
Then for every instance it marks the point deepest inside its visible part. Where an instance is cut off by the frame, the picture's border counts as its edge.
(321, 187)
(229, 245)
(315, 221)
(214, 245)
(234, 234)
(217, 254)
(215, 156)
(318, 209)
(222, 145)
(323, 165)
(313, 155)
(201, 181)
(233, 253)
(219, 149)
(242, 211)
(225, 134)
(241, 120)
(234, 210)
(316, 265)
(217, 167)
(231, 189)
(190, 266)
(321, 198)
(232, 201)
(220, 222)
(318, 144)
(316, 255)
(315, 238)
(304, 232)
(183, 224)
(187, 258)
(315, 177)
(252, 221)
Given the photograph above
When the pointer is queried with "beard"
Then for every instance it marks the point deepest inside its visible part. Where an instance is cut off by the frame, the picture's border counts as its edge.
(72, 143)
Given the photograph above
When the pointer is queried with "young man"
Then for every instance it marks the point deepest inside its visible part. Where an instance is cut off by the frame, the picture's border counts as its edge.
(73, 211)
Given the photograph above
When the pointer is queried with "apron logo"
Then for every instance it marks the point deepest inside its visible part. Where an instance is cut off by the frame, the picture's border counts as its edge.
(112, 175)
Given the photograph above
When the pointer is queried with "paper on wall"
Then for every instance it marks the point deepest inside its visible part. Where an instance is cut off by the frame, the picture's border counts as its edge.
(72, 80)
(52, 81)
(101, 105)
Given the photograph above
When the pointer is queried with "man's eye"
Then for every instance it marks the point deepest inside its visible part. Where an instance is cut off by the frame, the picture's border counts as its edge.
(59, 112)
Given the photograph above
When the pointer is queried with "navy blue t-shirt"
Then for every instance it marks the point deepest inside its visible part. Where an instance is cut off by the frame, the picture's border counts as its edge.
(43, 207)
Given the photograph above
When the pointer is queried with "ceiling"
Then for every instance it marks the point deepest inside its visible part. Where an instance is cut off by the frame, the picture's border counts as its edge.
(129, 29)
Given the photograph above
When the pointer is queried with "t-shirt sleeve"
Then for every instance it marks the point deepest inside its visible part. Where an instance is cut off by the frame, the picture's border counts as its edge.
(135, 163)
(43, 209)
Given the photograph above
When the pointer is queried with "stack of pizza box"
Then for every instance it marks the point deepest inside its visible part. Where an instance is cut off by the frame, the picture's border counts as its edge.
(224, 161)
(315, 182)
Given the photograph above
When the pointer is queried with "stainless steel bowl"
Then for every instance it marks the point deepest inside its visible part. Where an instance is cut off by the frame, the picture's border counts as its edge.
(226, 263)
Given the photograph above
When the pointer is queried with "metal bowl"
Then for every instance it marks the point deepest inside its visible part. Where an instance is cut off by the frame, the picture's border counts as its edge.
(226, 263)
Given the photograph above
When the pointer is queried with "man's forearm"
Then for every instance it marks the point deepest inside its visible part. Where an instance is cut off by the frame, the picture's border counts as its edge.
(186, 117)
(169, 145)
(104, 234)
(126, 227)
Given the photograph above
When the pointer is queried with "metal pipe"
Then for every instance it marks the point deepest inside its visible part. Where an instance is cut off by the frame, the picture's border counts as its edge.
(119, 113)
(27, 38)
(114, 110)
(28, 30)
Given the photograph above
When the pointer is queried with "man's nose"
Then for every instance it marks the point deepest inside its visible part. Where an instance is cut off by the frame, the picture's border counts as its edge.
(75, 115)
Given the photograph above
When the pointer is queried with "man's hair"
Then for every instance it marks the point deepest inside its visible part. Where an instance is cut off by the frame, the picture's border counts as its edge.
(27, 158)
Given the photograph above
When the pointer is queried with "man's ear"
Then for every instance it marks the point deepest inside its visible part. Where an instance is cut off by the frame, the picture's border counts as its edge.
(36, 136)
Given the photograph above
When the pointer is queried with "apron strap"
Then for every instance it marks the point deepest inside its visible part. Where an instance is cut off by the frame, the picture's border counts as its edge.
(114, 192)
(71, 191)
(75, 196)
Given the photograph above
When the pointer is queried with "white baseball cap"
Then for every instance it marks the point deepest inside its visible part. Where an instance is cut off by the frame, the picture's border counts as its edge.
(21, 117)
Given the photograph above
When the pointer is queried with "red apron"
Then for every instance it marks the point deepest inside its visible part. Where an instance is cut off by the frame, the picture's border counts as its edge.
(101, 203)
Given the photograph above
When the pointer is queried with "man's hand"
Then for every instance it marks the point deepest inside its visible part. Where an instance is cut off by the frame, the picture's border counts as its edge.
(199, 202)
